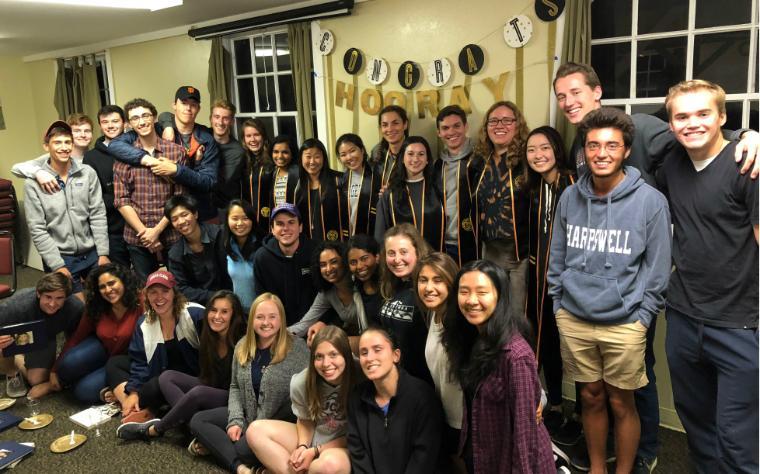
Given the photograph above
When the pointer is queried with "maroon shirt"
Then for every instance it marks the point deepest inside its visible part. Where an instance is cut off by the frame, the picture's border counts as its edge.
(505, 435)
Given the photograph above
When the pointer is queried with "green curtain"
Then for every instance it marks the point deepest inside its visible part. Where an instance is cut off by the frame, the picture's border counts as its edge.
(299, 39)
(76, 89)
(576, 47)
(218, 64)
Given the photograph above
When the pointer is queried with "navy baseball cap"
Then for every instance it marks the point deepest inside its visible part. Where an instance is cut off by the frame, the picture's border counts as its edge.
(188, 92)
(286, 207)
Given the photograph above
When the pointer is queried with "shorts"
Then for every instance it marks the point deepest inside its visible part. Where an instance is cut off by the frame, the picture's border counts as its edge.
(613, 353)
(79, 266)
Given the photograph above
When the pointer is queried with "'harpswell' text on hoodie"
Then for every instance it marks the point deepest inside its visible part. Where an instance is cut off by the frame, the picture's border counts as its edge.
(610, 255)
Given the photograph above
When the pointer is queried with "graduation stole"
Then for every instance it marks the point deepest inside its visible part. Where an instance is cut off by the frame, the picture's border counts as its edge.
(367, 203)
(431, 224)
(468, 244)
(333, 223)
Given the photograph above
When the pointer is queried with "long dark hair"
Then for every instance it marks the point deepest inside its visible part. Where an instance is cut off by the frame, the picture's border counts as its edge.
(251, 244)
(209, 340)
(397, 179)
(355, 140)
(444, 266)
(316, 273)
(350, 376)
(288, 140)
(95, 305)
(368, 244)
(558, 147)
(474, 354)
(324, 173)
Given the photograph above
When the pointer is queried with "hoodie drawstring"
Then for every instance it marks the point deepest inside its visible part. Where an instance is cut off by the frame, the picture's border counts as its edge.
(607, 263)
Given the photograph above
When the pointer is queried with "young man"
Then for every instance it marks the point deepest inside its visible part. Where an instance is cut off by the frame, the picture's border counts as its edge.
(579, 91)
(81, 129)
(51, 300)
(140, 194)
(199, 169)
(198, 260)
(712, 306)
(68, 228)
(283, 264)
(455, 175)
(229, 185)
(608, 270)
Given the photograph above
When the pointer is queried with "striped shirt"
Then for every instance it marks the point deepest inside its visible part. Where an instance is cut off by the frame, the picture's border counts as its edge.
(146, 193)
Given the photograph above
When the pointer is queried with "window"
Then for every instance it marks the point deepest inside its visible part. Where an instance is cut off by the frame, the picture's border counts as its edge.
(101, 67)
(263, 81)
(640, 48)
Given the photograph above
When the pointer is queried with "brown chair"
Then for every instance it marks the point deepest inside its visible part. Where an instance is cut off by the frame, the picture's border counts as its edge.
(7, 263)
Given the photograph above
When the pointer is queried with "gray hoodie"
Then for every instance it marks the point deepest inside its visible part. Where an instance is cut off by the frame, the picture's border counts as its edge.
(452, 191)
(610, 256)
(70, 222)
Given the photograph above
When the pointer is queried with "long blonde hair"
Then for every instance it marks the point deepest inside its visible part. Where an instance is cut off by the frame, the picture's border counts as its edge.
(282, 343)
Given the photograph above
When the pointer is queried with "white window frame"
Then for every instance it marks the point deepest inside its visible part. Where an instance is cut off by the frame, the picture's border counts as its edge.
(250, 35)
(745, 98)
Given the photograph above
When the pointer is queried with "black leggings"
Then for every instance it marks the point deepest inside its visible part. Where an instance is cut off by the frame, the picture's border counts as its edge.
(210, 427)
(187, 396)
(117, 372)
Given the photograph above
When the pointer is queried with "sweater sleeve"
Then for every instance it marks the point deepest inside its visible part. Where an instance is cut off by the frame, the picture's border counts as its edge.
(361, 463)
(557, 254)
(318, 308)
(428, 427)
(35, 220)
(203, 177)
(29, 169)
(657, 264)
(235, 413)
(123, 150)
(524, 394)
(138, 367)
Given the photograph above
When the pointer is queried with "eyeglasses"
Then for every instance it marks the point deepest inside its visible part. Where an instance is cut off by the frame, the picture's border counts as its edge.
(506, 121)
(136, 118)
(611, 147)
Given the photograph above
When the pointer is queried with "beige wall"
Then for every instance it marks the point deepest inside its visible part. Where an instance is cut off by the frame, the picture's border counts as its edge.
(421, 30)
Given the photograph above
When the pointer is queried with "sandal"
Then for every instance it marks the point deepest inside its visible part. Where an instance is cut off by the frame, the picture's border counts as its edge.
(106, 395)
(196, 448)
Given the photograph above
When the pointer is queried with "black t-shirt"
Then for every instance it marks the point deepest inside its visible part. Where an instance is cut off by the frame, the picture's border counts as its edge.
(714, 248)
(176, 361)
(260, 362)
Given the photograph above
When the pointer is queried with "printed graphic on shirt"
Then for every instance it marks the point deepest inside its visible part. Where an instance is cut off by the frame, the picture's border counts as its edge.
(397, 310)
(280, 189)
(598, 240)
(332, 418)
(355, 189)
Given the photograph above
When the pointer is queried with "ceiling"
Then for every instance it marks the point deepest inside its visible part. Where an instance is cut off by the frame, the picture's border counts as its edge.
(28, 28)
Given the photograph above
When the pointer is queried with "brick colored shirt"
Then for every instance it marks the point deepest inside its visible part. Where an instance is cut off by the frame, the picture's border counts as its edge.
(147, 193)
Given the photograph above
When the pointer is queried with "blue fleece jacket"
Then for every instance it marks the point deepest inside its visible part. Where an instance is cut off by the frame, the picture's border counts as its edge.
(610, 255)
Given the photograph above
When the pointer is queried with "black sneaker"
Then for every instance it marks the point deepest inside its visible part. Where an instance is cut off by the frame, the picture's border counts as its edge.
(644, 466)
(135, 431)
(568, 434)
(561, 459)
(553, 420)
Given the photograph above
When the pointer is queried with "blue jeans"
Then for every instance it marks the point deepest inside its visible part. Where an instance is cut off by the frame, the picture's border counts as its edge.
(83, 366)
(117, 250)
(647, 403)
(144, 261)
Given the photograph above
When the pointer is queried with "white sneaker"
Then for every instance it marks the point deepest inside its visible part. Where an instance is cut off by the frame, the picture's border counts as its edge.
(15, 386)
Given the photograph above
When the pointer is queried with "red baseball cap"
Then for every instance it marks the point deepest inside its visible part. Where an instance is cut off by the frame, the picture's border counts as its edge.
(161, 277)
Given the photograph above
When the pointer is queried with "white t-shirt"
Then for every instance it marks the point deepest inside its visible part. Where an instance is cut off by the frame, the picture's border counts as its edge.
(448, 391)
(280, 190)
(354, 190)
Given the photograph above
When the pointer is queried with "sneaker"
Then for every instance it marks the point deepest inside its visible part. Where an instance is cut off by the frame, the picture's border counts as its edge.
(196, 448)
(135, 431)
(563, 470)
(553, 420)
(569, 433)
(15, 386)
(561, 459)
(582, 462)
(644, 466)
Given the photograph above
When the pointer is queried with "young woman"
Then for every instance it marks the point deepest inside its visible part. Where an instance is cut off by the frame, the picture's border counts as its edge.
(317, 441)
(113, 302)
(360, 185)
(336, 291)
(394, 127)
(258, 185)
(412, 196)
(502, 198)
(285, 174)
(490, 357)
(394, 419)
(434, 279)
(318, 195)
(264, 361)
(402, 247)
(363, 257)
(165, 337)
(223, 325)
(548, 177)
(241, 244)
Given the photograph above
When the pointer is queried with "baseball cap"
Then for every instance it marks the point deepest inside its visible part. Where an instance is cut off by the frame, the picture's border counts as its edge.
(54, 125)
(161, 277)
(188, 92)
(286, 207)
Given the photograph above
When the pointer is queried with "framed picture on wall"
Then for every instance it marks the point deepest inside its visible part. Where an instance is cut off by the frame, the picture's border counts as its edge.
(2, 118)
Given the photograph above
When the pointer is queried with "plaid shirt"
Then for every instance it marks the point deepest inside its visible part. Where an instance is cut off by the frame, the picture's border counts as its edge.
(505, 435)
(147, 193)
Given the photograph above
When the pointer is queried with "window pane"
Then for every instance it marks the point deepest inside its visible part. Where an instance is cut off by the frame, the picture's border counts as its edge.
(719, 13)
(656, 16)
(283, 52)
(610, 18)
(658, 110)
(262, 50)
(733, 116)
(612, 63)
(269, 125)
(287, 93)
(754, 108)
(660, 64)
(246, 99)
(267, 98)
(287, 126)
(723, 58)
(242, 57)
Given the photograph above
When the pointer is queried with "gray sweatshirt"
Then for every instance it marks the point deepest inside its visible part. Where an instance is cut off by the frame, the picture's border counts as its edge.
(610, 256)
(452, 191)
(71, 222)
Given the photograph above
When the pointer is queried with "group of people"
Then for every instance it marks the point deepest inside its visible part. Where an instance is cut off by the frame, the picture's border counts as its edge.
(394, 317)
